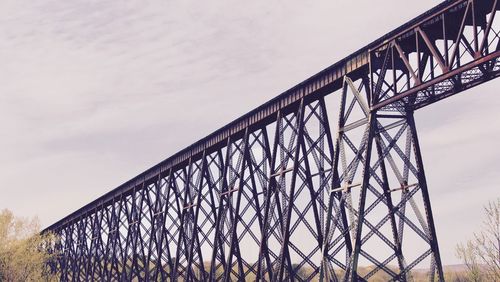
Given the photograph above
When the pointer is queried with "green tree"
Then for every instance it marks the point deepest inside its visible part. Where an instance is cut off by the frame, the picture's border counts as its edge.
(481, 254)
(23, 252)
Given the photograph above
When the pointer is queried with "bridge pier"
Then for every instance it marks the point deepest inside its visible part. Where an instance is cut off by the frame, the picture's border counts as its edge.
(382, 187)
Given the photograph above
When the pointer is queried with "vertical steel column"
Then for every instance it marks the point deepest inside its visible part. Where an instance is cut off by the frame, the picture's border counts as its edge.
(182, 241)
(194, 239)
(233, 239)
(218, 237)
(271, 190)
(353, 275)
(425, 195)
(284, 253)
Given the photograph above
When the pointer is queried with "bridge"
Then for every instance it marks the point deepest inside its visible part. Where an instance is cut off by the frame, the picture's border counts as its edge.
(324, 182)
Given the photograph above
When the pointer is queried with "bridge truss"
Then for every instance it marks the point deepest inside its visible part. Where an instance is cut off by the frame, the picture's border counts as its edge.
(324, 179)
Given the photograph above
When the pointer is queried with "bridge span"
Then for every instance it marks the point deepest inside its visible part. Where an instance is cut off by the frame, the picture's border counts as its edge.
(303, 187)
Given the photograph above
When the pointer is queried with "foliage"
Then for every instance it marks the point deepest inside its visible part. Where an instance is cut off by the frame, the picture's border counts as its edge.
(23, 255)
(481, 254)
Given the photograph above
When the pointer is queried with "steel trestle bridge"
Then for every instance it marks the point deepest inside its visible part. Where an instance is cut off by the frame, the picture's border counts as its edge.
(308, 186)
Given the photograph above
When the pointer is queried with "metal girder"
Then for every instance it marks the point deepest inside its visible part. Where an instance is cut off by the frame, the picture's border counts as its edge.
(276, 195)
(445, 54)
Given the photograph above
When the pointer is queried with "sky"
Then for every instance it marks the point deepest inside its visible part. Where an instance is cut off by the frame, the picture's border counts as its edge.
(94, 92)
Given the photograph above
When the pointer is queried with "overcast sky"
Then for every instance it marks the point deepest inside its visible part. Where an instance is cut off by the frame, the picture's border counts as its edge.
(94, 92)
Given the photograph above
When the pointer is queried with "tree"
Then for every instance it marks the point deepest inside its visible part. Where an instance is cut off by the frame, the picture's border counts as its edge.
(481, 254)
(23, 252)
